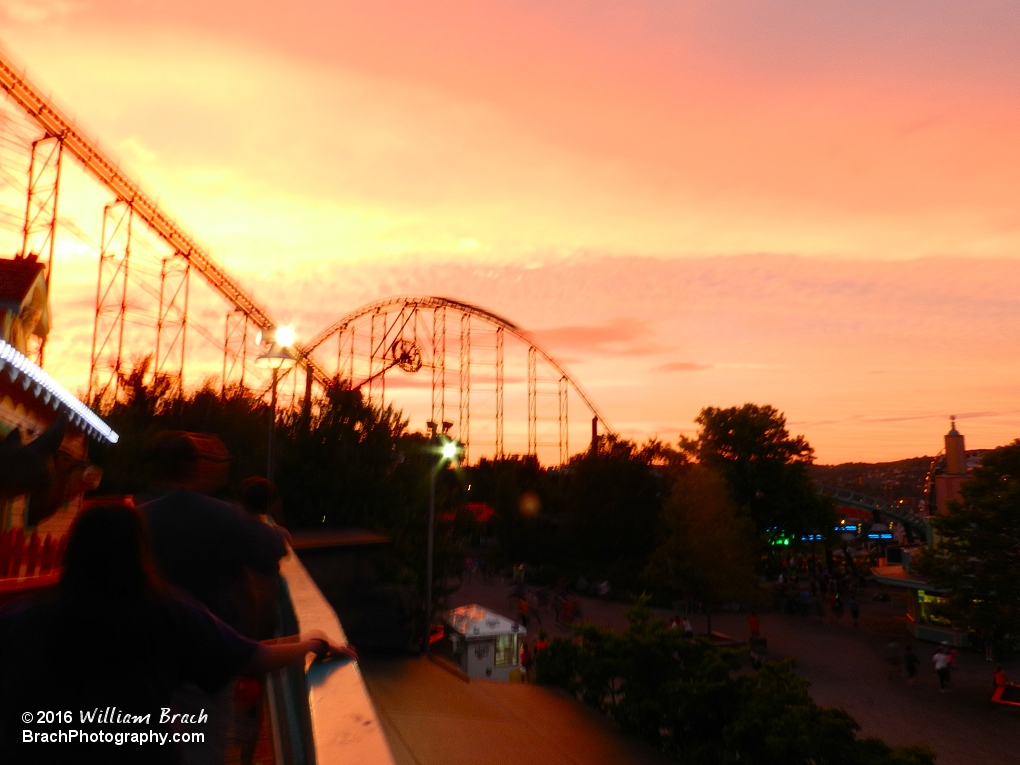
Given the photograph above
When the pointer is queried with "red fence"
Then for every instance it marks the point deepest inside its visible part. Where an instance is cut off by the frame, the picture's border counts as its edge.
(28, 563)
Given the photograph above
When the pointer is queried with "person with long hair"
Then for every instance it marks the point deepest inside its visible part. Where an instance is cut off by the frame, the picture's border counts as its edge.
(103, 654)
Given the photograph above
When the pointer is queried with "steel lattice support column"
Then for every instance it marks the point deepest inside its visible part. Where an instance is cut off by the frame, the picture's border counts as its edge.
(377, 356)
(564, 421)
(532, 402)
(111, 300)
(235, 347)
(345, 355)
(172, 318)
(499, 392)
(439, 366)
(39, 231)
(464, 419)
(39, 234)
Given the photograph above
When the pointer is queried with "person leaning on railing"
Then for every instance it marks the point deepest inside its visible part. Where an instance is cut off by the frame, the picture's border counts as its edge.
(114, 639)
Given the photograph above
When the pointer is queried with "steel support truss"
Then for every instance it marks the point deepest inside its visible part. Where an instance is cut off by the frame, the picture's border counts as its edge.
(55, 122)
(172, 318)
(439, 366)
(39, 233)
(532, 402)
(345, 355)
(464, 418)
(377, 358)
(499, 393)
(235, 349)
(564, 390)
(105, 367)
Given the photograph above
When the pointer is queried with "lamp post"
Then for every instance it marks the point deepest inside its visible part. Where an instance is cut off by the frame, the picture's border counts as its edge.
(446, 450)
(277, 357)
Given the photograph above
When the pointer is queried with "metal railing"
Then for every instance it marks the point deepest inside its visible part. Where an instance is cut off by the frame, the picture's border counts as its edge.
(321, 712)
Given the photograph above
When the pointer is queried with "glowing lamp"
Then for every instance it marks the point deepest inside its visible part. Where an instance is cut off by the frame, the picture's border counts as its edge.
(285, 336)
(277, 357)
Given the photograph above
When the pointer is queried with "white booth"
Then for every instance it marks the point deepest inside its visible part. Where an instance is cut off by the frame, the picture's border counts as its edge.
(482, 644)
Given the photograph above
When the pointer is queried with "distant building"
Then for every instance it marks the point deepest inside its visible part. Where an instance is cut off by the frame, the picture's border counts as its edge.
(40, 494)
(949, 470)
(945, 479)
(24, 304)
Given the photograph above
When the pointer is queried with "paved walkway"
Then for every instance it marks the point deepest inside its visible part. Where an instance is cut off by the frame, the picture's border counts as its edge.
(432, 717)
(846, 667)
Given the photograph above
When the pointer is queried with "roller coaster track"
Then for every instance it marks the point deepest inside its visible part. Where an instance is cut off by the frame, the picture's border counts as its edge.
(104, 168)
(433, 303)
(847, 498)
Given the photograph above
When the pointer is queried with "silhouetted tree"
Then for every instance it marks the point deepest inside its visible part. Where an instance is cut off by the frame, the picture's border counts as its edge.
(523, 494)
(612, 499)
(348, 465)
(687, 699)
(764, 467)
(148, 404)
(706, 546)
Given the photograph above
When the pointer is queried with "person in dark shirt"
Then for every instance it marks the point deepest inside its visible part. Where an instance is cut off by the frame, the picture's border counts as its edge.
(208, 548)
(204, 545)
(114, 640)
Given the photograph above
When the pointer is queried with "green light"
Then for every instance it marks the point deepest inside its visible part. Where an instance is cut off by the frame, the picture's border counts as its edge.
(449, 450)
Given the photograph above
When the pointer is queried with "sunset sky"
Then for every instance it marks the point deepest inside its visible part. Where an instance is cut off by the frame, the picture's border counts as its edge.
(814, 205)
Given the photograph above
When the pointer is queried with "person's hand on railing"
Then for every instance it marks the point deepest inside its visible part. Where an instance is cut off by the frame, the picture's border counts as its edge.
(327, 650)
(279, 652)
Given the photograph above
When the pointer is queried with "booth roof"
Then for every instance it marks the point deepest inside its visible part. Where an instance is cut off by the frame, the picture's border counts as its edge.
(475, 621)
(897, 576)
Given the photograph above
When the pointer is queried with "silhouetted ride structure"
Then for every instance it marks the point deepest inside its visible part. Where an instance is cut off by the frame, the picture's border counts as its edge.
(453, 339)
(917, 524)
(475, 370)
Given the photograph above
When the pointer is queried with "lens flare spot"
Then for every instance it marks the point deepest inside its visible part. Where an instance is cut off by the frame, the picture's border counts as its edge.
(530, 503)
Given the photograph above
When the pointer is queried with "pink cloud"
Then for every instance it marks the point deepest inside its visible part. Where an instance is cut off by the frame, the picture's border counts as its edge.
(682, 366)
(619, 337)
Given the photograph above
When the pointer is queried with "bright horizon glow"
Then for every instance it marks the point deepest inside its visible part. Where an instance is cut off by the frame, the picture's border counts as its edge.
(809, 206)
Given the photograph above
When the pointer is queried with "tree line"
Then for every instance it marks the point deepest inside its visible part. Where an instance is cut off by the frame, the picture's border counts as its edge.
(695, 519)
(692, 519)
(695, 702)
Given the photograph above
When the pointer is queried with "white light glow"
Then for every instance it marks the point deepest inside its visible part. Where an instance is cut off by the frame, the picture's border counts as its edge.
(285, 336)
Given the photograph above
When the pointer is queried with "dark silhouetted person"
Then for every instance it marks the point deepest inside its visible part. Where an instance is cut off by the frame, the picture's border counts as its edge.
(202, 544)
(837, 609)
(892, 660)
(688, 629)
(910, 664)
(999, 678)
(207, 547)
(942, 664)
(261, 500)
(113, 639)
(526, 661)
(259, 593)
(542, 642)
(754, 623)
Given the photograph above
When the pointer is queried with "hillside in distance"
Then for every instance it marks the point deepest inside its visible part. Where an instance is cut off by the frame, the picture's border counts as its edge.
(891, 481)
